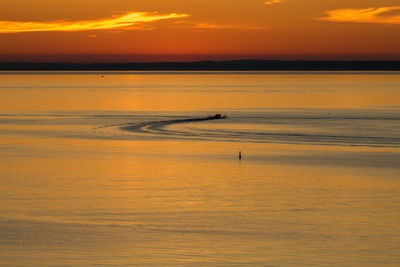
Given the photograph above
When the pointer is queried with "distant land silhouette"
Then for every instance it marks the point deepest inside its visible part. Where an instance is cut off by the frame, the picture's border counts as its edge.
(234, 65)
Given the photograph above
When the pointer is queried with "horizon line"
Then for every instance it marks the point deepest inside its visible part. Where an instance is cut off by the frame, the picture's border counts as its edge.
(182, 58)
(210, 65)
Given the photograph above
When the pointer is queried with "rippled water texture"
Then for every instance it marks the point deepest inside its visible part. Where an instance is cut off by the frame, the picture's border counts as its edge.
(126, 169)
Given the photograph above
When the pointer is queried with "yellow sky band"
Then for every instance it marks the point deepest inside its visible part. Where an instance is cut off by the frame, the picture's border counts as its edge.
(132, 19)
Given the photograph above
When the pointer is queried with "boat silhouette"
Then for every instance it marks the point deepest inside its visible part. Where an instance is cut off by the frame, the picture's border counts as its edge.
(216, 117)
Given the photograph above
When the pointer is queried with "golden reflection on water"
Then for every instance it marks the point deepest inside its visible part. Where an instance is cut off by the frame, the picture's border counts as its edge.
(74, 194)
(188, 92)
(172, 199)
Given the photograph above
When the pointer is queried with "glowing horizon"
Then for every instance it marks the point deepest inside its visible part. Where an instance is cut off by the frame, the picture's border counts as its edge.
(301, 29)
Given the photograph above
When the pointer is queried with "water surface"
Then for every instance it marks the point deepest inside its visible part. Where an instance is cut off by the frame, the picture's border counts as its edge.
(113, 171)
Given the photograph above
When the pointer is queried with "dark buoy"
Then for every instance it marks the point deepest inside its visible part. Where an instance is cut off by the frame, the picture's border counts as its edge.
(240, 155)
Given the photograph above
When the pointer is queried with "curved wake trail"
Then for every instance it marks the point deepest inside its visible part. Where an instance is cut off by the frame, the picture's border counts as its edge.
(161, 129)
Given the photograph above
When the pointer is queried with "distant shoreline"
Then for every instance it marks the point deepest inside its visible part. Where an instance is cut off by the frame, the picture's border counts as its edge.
(235, 65)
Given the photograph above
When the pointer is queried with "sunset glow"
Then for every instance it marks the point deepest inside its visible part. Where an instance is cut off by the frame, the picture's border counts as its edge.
(199, 133)
(158, 30)
(368, 15)
(132, 20)
(270, 2)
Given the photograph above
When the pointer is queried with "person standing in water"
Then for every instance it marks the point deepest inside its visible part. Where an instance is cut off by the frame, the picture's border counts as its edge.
(240, 155)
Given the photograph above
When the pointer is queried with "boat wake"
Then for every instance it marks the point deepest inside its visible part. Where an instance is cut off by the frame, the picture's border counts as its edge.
(193, 129)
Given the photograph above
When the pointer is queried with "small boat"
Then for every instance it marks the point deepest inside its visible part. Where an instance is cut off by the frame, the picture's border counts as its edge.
(217, 117)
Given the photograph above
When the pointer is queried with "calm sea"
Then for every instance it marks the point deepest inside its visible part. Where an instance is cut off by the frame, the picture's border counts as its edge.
(110, 169)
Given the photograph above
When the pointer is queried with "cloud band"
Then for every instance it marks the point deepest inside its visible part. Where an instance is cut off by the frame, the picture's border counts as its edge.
(271, 2)
(132, 19)
(367, 15)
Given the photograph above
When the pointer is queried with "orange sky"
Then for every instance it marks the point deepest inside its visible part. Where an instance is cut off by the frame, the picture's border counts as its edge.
(152, 30)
